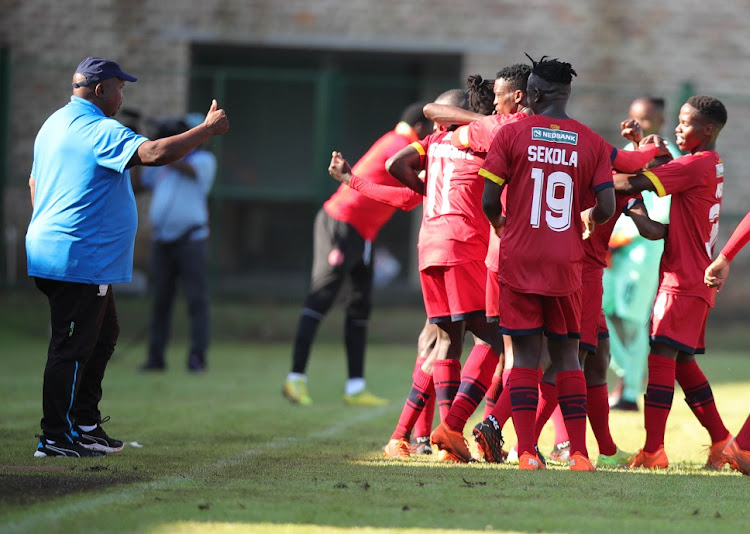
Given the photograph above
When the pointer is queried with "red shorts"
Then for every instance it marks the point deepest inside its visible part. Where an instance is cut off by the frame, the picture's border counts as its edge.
(591, 314)
(680, 322)
(453, 292)
(529, 313)
(492, 297)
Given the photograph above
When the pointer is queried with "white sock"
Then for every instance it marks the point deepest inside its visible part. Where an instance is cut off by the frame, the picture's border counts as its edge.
(87, 428)
(355, 385)
(296, 376)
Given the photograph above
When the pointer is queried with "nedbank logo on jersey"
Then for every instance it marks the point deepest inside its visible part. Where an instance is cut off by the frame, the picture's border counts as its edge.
(554, 136)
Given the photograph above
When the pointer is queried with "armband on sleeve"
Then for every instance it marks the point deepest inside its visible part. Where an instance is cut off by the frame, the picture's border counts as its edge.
(632, 203)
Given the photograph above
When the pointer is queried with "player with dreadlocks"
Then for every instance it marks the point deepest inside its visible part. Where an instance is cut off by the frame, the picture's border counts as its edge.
(555, 168)
(678, 321)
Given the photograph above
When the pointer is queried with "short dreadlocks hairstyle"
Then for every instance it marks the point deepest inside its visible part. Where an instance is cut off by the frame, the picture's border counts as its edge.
(481, 95)
(517, 75)
(710, 108)
(553, 70)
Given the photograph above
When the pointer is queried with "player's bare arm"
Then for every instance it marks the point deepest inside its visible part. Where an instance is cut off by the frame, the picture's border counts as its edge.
(717, 273)
(170, 149)
(647, 227)
(339, 168)
(632, 183)
(604, 207)
(446, 115)
(404, 166)
(492, 206)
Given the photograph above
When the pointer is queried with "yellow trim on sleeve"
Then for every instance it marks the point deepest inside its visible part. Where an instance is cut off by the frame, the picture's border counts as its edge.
(491, 177)
(463, 135)
(418, 147)
(657, 183)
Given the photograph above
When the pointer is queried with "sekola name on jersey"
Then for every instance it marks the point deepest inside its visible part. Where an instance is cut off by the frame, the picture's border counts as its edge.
(556, 156)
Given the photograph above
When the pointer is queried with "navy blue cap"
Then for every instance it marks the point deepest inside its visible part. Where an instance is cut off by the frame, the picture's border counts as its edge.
(97, 69)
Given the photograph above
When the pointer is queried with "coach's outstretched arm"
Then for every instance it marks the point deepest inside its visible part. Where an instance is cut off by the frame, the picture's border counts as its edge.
(170, 149)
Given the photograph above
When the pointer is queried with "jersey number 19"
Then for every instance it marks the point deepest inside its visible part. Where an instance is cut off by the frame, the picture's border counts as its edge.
(557, 203)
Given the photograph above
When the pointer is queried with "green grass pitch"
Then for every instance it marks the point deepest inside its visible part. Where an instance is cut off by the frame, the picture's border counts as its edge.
(224, 452)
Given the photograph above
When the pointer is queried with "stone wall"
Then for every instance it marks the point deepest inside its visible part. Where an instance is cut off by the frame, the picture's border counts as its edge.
(620, 50)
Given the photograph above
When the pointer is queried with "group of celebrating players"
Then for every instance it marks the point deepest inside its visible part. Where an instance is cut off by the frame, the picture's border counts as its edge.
(528, 286)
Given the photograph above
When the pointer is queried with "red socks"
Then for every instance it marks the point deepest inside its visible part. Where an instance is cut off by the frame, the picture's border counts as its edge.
(597, 400)
(743, 437)
(447, 374)
(658, 399)
(523, 386)
(561, 433)
(502, 410)
(414, 405)
(700, 398)
(492, 395)
(547, 405)
(423, 426)
(571, 394)
(477, 374)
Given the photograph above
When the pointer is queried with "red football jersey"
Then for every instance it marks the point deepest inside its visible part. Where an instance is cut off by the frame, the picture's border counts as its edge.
(454, 228)
(366, 215)
(547, 164)
(597, 245)
(696, 183)
(479, 134)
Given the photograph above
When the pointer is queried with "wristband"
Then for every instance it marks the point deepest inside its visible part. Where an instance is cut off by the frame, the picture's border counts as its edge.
(633, 202)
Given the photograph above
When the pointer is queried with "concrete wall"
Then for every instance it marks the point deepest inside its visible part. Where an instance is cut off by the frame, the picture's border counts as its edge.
(620, 50)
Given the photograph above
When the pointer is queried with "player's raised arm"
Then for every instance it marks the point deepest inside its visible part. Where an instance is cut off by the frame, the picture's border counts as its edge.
(446, 115)
(632, 183)
(405, 166)
(647, 227)
(718, 272)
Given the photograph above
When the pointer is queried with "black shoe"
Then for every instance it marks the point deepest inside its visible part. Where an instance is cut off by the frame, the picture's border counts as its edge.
(422, 445)
(560, 453)
(625, 405)
(540, 455)
(196, 364)
(151, 367)
(63, 447)
(490, 440)
(97, 439)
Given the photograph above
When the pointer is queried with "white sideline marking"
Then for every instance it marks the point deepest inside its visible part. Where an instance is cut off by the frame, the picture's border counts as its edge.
(40, 519)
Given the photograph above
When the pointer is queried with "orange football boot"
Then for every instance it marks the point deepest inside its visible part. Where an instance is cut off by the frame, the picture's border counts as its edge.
(650, 460)
(738, 459)
(397, 448)
(579, 462)
(715, 460)
(454, 442)
(530, 462)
